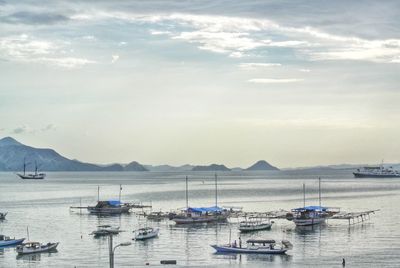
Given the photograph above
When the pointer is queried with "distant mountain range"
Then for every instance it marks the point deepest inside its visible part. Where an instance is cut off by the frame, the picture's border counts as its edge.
(13, 154)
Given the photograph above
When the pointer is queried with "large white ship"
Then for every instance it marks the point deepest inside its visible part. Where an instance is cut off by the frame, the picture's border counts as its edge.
(376, 172)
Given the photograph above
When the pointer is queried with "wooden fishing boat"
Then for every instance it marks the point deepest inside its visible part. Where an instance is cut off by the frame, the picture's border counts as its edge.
(36, 247)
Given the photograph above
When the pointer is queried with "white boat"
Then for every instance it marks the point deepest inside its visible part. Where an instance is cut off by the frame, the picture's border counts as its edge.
(103, 230)
(145, 233)
(36, 247)
(7, 241)
(254, 225)
(376, 172)
(255, 246)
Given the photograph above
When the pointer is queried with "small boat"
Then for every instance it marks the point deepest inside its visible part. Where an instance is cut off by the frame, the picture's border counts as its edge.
(6, 241)
(3, 215)
(34, 176)
(255, 246)
(145, 233)
(254, 225)
(156, 216)
(103, 230)
(36, 247)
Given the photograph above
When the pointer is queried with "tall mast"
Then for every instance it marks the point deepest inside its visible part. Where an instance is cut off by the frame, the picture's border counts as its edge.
(98, 193)
(216, 191)
(319, 190)
(187, 194)
(24, 165)
(304, 195)
(35, 167)
(120, 189)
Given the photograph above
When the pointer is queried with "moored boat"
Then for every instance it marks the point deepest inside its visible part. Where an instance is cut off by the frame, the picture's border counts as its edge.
(32, 176)
(36, 247)
(103, 230)
(251, 225)
(255, 246)
(109, 207)
(3, 215)
(201, 215)
(145, 233)
(6, 241)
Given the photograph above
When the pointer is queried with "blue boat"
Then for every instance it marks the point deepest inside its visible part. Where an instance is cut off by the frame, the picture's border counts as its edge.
(6, 241)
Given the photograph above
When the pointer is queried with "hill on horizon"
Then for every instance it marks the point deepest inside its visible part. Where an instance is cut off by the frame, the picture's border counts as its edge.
(261, 165)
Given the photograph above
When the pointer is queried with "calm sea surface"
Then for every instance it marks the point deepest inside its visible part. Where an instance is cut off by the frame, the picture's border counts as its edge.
(43, 206)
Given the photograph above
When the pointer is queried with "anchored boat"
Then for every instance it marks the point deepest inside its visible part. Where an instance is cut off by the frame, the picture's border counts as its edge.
(145, 233)
(34, 176)
(255, 246)
(376, 172)
(6, 241)
(255, 224)
(191, 215)
(36, 247)
(103, 230)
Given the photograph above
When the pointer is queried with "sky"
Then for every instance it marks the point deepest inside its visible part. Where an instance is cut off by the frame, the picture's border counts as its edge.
(297, 83)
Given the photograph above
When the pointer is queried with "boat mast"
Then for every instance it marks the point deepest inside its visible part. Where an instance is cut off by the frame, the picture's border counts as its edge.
(319, 190)
(36, 168)
(187, 194)
(216, 191)
(304, 195)
(98, 193)
(24, 165)
(119, 196)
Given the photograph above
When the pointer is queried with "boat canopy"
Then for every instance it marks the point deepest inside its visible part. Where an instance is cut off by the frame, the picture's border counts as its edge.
(114, 203)
(261, 241)
(310, 208)
(205, 209)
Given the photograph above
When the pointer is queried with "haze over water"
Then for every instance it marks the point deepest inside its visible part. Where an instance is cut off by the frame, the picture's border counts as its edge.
(43, 206)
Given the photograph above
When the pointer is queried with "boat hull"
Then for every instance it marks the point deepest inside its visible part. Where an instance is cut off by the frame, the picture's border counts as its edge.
(366, 175)
(246, 229)
(32, 177)
(109, 210)
(309, 222)
(12, 242)
(205, 219)
(227, 249)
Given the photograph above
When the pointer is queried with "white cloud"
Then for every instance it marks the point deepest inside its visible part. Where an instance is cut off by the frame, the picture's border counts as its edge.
(114, 58)
(24, 48)
(254, 65)
(274, 80)
(236, 36)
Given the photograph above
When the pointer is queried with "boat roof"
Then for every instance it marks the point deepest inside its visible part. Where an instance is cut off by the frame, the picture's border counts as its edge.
(205, 209)
(115, 203)
(311, 208)
(261, 241)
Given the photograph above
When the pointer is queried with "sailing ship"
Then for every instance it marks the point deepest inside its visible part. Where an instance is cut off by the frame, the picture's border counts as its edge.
(311, 215)
(201, 214)
(31, 176)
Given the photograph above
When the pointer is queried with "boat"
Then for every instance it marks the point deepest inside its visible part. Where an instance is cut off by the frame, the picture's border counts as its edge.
(191, 215)
(109, 207)
(3, 215)
(156, 216)
(36, 247)
(254, 224)
(376, 172)
(30, 176)
(311, 215)
(255, 246)
(6, 241)
(103, 230)
(145, 233)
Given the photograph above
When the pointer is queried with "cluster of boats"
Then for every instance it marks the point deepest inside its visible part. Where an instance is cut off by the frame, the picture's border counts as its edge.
(27, 247)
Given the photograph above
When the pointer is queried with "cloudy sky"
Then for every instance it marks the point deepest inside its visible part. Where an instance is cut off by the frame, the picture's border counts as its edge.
(297, 83)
